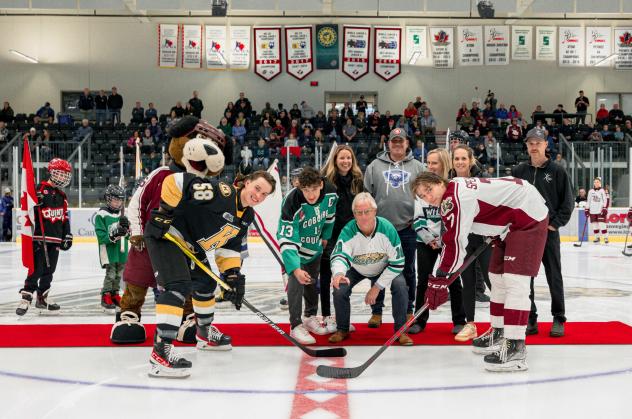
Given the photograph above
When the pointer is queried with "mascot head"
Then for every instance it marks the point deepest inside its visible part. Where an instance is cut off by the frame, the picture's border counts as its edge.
(191, 127)
(202, 157)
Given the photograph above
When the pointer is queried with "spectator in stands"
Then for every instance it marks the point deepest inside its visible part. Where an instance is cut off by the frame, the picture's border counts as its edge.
(178, 109)
(242, 99)
(551, 147)
(246, 154)
(138, 114)
(461, 112)
(147, 142)
(83, 130)
(280, 108)
(466, 123)
(502, 115)
(490, 172)
(306, 111)
(581, 197)
(346, 111)
(402, 123)
(197, 104)
(386, 129)
(230, 106)
(616, 115)
(172, 119)
(480, 154)
(295, 112)
(581, 106)
(239, 132)
(85, 103)
(267, 116)
(100, 107)
(306, 124)
(489, 114)
(627, 128)
(155, 129)
(428, 122)
(319, 121)
(4, 133)
(306, 141)
(319, 138)
(115, 104)
(245, 109)
(483, 127)
(618, 134)
(188, 109)
(595, 136)
(475, 111)
(261, 155)
(361, 105)
(151, 162)
(264, 130)
(536, 115)
(285, 119)
(419, 152)
(279, 130)
(374, 123)
(476, 139)
(559, 110)
(513, 113)
(491, 148)
(410, 111)
(603, 116)
(45, 111)
(349, 131)
(134, 139)
(561, 161)
(6, 113)
(333, 131)
(226, 128)
(491, 100)
(376, 148)
(274, 143)
(32, 136)
(268, 109)
(44, 143)
(606, 134)
(150, 112)
(513, 132)
(294, 128)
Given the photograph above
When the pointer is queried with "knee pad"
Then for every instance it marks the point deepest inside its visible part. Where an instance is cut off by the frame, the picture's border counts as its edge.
(128, 329)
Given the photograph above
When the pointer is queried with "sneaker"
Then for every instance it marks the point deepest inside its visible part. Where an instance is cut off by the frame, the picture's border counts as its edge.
(314, 325)
(405, 340)
(339, 336)
(375, 321)
(468, 332)
(44, 303)
(209, 338)
(532, 328)
(415, 328)
(330, 324)
(283, 304)
(557, 330)
(489, 342)
(166, 363)
(606, 240)
(106, 301)
(456, 329)
(481, 297)
(512, 356)
(25, 303)
(302, 335)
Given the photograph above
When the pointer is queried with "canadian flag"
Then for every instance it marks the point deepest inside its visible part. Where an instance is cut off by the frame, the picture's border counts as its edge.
(28, 200)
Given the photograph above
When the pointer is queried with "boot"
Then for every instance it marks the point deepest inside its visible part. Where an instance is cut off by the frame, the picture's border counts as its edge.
(557, 329)
(489, 342)
(165, 362)
(339, 336)
(44, 304)
(532, 328)
(25, 303)
(106, 301)
(512, 356)
(405, 340)
(209, 338)
(375, 321)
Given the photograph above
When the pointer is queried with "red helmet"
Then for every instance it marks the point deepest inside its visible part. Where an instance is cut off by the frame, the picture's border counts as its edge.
(60, 172)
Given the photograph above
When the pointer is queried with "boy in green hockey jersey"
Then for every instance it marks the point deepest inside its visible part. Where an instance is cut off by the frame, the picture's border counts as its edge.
(307, 220)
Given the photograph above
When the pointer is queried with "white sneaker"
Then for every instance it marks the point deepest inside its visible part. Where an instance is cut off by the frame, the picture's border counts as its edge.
(302, 335)
(330, 324)
(314, 325)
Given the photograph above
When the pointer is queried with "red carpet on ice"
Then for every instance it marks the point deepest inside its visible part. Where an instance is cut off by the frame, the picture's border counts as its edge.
(259, 334)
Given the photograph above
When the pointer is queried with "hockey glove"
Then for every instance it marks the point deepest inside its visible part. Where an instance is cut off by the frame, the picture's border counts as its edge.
(604, 212)
(237, 283)
(124, 222)
(437, 292)
(138, 243)
(66, 243)
(586, 212)
(630, 216)
(158, 224)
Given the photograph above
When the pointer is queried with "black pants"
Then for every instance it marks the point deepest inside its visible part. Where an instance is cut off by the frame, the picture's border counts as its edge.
(553, 270)
(469, 275)
(42, 275)
(325, 279)
(482, 278)
(296, 292)
(426, 259)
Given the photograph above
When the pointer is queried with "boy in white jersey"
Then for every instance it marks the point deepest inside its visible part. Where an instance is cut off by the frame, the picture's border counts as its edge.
(597, 210)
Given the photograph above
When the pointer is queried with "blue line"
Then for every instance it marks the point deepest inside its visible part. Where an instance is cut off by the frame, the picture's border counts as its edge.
(358, 391)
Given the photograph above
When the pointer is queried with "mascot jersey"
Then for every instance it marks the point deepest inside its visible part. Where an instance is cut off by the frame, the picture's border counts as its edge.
(208, 214)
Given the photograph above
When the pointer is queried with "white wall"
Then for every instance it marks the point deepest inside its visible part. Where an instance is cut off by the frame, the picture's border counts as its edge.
(78, 52)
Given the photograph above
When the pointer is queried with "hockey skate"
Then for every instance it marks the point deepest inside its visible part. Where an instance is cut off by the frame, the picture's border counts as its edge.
(489, 342)
(166, 363)
(106, 302)
(209, 338)
(45, 305)
(25, 303)
(511, 357)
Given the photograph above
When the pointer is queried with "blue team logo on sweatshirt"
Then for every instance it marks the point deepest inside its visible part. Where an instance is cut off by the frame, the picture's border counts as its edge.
(396, 177)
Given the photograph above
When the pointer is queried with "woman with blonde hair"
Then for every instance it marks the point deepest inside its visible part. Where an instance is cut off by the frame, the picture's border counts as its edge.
(342, 170)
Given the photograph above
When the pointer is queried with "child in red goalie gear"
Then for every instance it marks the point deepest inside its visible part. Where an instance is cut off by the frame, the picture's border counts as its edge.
(597, 210)
(51, 232)
(513, 210)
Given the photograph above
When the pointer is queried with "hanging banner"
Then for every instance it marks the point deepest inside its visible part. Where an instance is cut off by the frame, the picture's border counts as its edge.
(239, 47)
(355, 50)
(191, 46)
(598, 46)
(470, 44)
(215, 46)
(416, 45)
(521, 43)
(623, 48)
(387, 52)
(327, 55)
(571, 44)
(267, 52)
(299, 55)
(496, 45)
(545, 43)
(167, 45)
(442, 44)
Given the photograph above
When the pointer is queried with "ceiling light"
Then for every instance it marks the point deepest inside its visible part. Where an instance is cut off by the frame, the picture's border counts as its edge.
(26, 57)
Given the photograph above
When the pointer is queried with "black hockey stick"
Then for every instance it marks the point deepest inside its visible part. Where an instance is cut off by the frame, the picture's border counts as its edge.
(625, 245)
(331, 352)
(342, 372)
(581, 238)
(44, 244)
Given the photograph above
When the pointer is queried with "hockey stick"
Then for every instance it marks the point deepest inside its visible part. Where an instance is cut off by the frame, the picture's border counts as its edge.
(625, 245)
(581, 238)
(342, 372)
(41, 220)
(331, 352)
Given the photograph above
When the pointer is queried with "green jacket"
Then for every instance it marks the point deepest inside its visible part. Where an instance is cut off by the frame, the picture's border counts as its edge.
(109, 251)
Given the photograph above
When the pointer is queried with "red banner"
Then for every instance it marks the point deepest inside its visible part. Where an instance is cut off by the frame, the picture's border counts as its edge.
(267, 52)
(299, 55)
(355, 51)
(387, 52)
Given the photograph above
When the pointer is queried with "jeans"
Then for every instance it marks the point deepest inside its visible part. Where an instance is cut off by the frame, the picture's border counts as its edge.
(342, 299)
(101, 115)
(114, 114)
(296, 292)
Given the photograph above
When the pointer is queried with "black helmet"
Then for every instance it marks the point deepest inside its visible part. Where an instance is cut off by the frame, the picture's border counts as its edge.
(114, 192)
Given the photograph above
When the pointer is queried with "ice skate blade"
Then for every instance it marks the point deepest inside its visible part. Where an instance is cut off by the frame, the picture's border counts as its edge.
(45, 312)
(510, 366)
(203, 346)
(485, 351)
(158, 371)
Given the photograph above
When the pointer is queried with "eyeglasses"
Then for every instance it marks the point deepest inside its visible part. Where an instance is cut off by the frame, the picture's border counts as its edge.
(363, 212)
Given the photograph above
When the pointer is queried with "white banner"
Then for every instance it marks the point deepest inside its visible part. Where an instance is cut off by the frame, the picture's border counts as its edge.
(521, 42)
(496, 45)
(387, 52)
(299, 54)
(239, 47)
(571, 42)
(442, 43)
(355, 50)
(545, 43)
(598, 45)
(416, 45)
(167, 45)
(191, 46)
(267, 52)
(623, 48)
(215, 45)
(470, 42)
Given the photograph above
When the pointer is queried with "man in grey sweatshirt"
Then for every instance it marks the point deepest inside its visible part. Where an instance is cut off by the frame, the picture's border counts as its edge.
(388, 179)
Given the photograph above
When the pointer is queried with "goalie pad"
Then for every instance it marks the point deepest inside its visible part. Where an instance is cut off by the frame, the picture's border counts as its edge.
(186, 333)
(128, 330)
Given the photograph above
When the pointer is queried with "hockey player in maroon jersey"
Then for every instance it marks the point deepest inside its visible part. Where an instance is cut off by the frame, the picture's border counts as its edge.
(512, 210)
(51, 233)
(597, 210)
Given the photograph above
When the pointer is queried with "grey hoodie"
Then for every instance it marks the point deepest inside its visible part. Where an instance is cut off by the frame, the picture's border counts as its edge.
(389, 183)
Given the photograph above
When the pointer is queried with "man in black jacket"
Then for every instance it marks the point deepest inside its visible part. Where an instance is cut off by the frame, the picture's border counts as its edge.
(552, 182)
(86, 104)
(115, 104)
(196, 104)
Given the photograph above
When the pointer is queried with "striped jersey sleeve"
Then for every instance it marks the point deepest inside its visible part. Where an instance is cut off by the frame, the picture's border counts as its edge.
(458, 209)
(288, 235)
(341, 259)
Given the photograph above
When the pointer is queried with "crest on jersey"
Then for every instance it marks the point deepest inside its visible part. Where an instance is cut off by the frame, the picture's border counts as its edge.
(228, 217)
(548, 177)
(224, 189)
(446, 206)
(396, 177)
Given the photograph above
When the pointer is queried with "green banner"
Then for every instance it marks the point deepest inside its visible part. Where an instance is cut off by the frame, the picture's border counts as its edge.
(327, 55)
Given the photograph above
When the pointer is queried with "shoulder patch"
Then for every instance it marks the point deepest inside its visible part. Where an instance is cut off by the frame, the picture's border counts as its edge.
(446, 206)
(224, 189)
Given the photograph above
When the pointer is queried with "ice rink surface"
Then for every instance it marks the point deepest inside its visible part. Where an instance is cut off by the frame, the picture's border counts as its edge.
(563, 381)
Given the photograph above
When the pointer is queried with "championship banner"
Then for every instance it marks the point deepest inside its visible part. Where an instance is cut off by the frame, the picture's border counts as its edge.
(299, 55)
(191, 46)
(571, 44)
(327, 55)
(623, 48)
(442, 45)
(416, 45)
(267, 52)
(167, 45)
(215, 45)
(387, 52)
(355, 50)
(598, 45)
(521, 43)
(470, 44)
(239, 47)
(545, 43)
(496, 45)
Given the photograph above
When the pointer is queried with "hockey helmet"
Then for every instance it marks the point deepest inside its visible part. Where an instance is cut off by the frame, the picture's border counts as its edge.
(114, 196)
(202, 157)
(461, 137)
(60, 172)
